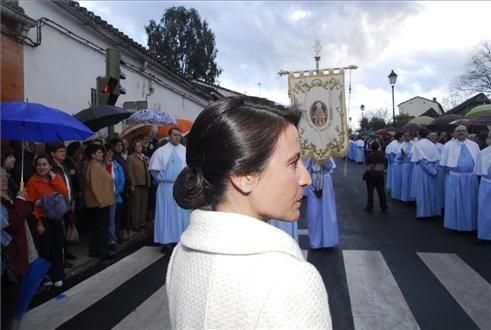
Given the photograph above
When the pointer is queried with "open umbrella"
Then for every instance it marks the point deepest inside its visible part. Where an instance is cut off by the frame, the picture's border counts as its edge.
(384, 132)
(442, 123)
(29, 284)
(183, 124)
(135, 130)
(478, 111)
(39, 123)
(410, 127)
(35, 122)
(421, 121)
(102, 116)
(152, 117)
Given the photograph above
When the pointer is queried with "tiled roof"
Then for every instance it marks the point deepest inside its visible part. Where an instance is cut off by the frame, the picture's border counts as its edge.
(468, 104)
(14, 5)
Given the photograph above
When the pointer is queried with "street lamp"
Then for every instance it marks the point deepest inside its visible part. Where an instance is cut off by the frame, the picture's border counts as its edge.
(362, 108)
(317, 49)
(392, 79)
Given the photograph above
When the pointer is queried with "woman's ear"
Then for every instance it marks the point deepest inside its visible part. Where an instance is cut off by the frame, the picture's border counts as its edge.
(243, 183)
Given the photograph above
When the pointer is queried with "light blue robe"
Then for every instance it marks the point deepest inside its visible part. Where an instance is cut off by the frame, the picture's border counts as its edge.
(390, 173)
(289, 227)
(321, 212)
(170, 219)
(406, 174)
(484, 212)
(461, 193)
(425, 189)
(441, 177)
(352, 151)
(396, 180)
(359, 154)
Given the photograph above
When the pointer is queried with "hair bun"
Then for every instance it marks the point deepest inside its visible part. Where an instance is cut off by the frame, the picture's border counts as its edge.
(190, 189)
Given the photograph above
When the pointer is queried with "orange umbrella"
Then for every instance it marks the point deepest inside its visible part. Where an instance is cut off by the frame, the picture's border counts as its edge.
(183, 124)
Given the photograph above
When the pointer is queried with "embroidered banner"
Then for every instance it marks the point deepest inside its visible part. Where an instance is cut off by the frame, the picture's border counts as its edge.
(323, 127)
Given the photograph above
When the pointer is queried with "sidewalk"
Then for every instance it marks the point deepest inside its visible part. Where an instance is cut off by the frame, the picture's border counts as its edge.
(81, 251)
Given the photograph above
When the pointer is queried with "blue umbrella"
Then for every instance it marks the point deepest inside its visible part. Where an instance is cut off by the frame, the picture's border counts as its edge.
(151, 117)
(29, 284)
(38, 123)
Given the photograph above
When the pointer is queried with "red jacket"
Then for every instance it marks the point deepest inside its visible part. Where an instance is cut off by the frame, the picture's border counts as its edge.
(17, 256)
(37, 188)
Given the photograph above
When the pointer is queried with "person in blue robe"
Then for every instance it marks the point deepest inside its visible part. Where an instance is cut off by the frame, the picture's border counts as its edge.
(289, 227)
(321, 205)
(425, 186)
(484, 200)
(441, 175)
(360, 151)
(459, 156)
(165, 165)
(389, 155)
(351, 152)
(406, 168)
(396, 175)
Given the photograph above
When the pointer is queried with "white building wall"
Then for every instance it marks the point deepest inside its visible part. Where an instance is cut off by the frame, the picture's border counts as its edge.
(61, 71)
(417, 106)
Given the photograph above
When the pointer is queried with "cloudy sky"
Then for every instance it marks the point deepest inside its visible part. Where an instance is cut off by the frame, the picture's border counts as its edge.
(426, 43)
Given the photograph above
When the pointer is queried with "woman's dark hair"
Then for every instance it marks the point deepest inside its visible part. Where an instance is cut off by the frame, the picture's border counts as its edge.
(375, 145)
(232, 136)
(116, 140)
(108, 147)
(92, 149)
(37, 158)
(5, 153)
(54, 147)
(398, 135)
(72, 148)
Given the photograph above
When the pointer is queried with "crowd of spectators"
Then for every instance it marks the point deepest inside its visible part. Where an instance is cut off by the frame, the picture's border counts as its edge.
(93, 190)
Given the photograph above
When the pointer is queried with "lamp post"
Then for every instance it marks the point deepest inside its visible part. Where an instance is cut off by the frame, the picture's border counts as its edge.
(392, 80)
(317, 49)
(362, 108)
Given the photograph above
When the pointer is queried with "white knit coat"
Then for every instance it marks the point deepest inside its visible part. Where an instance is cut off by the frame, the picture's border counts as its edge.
(232, 271)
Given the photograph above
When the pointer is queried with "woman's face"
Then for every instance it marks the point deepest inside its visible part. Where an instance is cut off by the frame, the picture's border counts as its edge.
(9, 163)
(108, 156)
(98, 155)
(278, 191)
(42, 167)
(138, 147)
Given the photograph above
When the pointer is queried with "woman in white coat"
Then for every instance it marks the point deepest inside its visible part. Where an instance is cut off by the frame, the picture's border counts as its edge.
(231, 268)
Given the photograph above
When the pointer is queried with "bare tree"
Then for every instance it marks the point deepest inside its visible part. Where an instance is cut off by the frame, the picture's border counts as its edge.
(477, 79)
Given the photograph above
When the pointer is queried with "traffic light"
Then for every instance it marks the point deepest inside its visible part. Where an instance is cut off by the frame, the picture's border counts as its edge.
(109, 87)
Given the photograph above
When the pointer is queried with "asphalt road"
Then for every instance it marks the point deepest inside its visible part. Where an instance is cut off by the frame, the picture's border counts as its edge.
(399, 236)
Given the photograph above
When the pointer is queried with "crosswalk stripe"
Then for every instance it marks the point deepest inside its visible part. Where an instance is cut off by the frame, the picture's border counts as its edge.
(57, 311)
(468, 288)
(153, 314)
(376, 300)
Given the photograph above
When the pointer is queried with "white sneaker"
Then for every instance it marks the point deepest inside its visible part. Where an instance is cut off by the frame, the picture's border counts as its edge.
(58, 284)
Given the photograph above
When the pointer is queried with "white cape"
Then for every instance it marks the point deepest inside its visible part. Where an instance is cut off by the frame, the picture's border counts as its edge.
(159, 159)
(425, 149)
(484, 161)
(451, 152)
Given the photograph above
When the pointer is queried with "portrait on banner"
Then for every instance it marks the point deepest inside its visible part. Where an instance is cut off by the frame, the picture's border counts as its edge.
(319, 114)
(323, 127)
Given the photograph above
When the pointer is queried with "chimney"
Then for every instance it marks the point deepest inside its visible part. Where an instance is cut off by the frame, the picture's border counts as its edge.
(434, 99)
